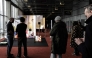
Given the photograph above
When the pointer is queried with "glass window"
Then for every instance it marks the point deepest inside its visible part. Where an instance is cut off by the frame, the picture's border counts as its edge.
(5, 22)
(4, 7)
(14, 11)
(1, 5)
(5, 26)
(1, 24)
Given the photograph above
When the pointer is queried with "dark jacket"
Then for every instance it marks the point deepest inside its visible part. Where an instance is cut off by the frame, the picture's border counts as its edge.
(86, 47)
(77, 32)
(21, 29)
(10, 29)
(59, 40)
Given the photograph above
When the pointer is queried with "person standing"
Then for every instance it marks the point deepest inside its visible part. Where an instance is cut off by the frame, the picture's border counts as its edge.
(85, 44)
(59, 36)
(77, 32)
(10, 36)
(22, 39)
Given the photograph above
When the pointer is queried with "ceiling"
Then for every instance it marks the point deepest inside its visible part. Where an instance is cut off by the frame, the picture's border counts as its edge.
(47, 8)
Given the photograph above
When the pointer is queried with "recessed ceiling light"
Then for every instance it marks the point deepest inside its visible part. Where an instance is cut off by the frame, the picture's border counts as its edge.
(53, 12)
(31, 9)
(29, 6)
(25, 0)
(61, 3)
(56, 8)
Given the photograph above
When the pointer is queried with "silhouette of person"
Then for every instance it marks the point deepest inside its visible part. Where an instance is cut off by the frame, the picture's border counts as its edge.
(85, 44)
(59, 38)
(22, 39)
(10, 36)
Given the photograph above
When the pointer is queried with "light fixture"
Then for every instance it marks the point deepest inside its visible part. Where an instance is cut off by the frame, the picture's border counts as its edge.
(29, 6)
(56, 8)
(61, 3)
(25, 0)
(53, 12)
(31, 9)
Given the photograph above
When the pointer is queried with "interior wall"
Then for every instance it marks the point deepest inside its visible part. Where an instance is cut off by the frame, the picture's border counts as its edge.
(30, 22)
(77, 13)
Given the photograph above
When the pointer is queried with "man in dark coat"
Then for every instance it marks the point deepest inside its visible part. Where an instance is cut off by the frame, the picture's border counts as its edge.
(59, 38)
(10, 36)
(21, 31)
(85, 44)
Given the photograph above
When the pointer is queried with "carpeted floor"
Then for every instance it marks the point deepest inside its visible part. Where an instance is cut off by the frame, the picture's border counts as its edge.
(40, 52)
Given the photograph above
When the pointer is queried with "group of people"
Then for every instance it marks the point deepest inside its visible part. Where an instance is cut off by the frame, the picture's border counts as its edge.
(59, 36)
(81, 43)
(21, 32)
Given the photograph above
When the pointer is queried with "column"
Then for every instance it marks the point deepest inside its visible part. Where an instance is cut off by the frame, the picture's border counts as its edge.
(34, 23)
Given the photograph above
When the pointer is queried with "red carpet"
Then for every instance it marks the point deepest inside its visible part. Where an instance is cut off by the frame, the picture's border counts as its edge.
(39, 52)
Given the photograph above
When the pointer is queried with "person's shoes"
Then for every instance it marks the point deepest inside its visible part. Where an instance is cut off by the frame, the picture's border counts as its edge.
(25, 56)
(10, 56)
(73, 53)
(17, 57)
(77, 54)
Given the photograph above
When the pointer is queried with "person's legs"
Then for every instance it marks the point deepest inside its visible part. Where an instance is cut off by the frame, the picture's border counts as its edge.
(76, 51)
(10, 44)
(53, 55)
(19, 47)
(59, 55)
(25, 46)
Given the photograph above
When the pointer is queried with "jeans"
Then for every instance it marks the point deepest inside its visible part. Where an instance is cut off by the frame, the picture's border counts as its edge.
(22, 40)
(10, 44)
(55, 55)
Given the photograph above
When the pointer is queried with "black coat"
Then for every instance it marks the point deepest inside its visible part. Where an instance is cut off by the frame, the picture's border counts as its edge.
(59, 40)
(86, 47)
